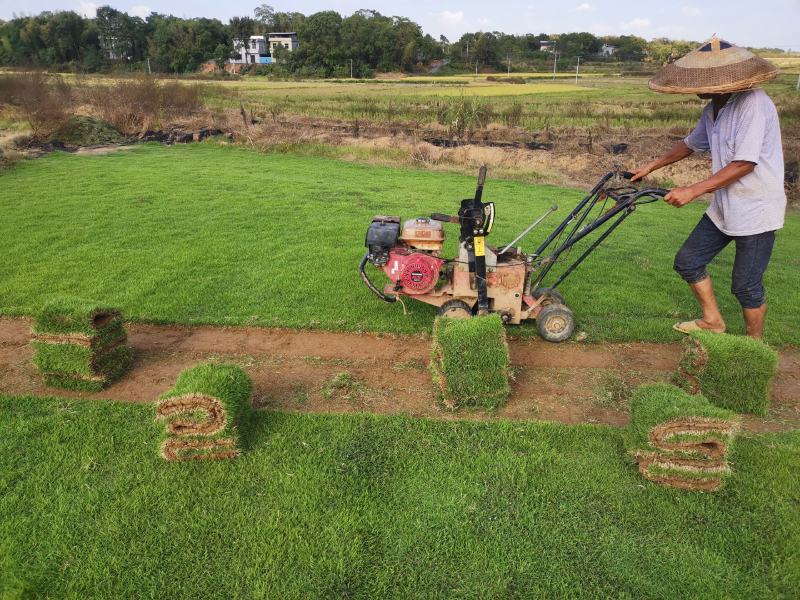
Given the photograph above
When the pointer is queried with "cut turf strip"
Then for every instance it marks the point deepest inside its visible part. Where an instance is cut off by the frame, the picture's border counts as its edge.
(80, 345)
(732, 371)
(204, 413)
(679, 440)
(470, 362)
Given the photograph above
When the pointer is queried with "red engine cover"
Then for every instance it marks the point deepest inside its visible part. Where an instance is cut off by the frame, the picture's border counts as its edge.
(416, 272)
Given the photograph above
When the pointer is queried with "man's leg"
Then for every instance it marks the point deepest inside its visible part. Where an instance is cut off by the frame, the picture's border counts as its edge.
(747, 284)
(712, 318)
(699, 249)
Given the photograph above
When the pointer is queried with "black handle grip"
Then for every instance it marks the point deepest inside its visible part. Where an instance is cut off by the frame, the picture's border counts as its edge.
(482, 176)
(626, 175)
(445, 218)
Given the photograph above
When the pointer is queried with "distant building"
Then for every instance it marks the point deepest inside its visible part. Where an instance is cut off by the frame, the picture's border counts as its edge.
(607, 50)
(287, 40)
(259, 49)
(547, 46)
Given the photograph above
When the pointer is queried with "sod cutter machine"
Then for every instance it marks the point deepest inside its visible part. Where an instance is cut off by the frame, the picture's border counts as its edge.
(504, 280)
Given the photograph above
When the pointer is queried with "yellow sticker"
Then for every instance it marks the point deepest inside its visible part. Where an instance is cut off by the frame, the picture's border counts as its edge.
(480, 248)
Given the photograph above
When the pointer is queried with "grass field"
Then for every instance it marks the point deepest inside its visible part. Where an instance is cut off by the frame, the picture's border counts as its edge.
(373, 507)
(221, 235)
(596, 101)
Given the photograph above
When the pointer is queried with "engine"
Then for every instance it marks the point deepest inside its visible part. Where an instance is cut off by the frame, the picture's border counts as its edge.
(415, 272)
(409, 256)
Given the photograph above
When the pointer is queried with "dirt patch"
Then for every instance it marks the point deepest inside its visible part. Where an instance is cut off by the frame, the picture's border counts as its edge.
(292, 369)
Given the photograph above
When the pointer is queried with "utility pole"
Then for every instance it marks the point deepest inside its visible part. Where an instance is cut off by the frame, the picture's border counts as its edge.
(577, 70)
(797, 87)
(555, 63)
(149, 72)
(508, 56)
(351, 68)
(467, 50)
(476, 68)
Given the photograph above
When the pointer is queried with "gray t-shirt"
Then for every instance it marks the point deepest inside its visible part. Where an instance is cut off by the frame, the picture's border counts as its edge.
(747, 129)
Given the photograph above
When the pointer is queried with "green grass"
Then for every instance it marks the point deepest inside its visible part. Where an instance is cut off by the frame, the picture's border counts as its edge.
(469, 362)
(61, 356)
(362, 506)
(732, 371)
(222, 235)
(653, 405)
(229, 384)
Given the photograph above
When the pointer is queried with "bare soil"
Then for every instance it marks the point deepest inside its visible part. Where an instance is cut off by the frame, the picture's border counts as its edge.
(297, 371)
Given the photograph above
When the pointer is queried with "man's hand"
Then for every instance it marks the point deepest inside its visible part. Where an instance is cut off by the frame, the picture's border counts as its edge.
(681, 196)
(643, 171)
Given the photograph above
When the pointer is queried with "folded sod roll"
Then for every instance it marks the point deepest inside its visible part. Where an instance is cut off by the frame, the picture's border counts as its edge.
(469, 362)
(680, 440)
(80, 345)
(732, 371)
(204, 413)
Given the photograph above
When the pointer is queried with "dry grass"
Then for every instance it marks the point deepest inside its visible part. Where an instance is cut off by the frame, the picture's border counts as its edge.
(42, 100)
(141, 103)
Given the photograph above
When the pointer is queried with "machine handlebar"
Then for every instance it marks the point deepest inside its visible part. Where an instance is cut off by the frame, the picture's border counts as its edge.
(445, 218)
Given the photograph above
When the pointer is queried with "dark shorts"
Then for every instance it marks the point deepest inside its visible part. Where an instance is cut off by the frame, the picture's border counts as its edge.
(752, 257)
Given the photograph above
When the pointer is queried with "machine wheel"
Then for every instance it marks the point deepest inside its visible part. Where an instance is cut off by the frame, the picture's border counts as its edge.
(552, 296)
(555, 322)
(455, 309)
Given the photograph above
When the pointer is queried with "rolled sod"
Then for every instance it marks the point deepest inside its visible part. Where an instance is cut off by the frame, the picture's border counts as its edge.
(469, 362)
(204, 413)
(732, 371)
(680, 440)
(80, 345)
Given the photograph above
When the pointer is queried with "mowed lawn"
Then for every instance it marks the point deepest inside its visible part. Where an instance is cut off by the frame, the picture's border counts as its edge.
(361, 506)
(222, 235)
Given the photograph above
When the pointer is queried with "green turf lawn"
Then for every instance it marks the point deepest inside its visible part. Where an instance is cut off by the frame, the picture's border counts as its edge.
(362, 506)
(222, 235)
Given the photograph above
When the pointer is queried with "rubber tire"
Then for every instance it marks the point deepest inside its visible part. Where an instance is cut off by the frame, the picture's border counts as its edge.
(458, 305)
(552, 315)
(555, 296)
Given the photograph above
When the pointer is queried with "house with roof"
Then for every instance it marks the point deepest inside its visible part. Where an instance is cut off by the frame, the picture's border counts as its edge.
(260, 49)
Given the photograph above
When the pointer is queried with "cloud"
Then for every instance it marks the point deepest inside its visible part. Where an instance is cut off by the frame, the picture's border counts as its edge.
(88, 10)
(691, 11)
(140, 10)
(585, 7)
(452, 17)
(637, 24)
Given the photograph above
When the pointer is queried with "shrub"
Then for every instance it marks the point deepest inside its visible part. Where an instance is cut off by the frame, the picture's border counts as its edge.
(142, 102)
(42, 100)
(204, 413)
(679, 440)
(469, 361)
(732, 371)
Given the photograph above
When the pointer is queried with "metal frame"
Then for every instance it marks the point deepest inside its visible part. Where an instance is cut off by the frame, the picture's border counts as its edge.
(625, 202)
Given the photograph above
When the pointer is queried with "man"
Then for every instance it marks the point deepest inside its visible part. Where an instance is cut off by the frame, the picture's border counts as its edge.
(740, 127)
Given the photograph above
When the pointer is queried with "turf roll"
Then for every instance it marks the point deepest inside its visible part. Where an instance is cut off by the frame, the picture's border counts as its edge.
(680, 440)
(204, 413)
(80, 345)
(469, 362)
(732, 371)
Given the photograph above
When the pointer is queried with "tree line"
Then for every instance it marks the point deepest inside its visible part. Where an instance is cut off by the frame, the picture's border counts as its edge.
(114, 40)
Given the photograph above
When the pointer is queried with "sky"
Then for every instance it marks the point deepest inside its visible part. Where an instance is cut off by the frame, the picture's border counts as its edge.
(767, 23)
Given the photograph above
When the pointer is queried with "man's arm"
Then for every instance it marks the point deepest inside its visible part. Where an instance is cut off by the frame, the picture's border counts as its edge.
(729, 174)
(679, 152)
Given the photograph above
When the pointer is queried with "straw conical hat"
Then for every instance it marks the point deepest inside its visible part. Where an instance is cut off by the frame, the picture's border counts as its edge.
(716, 67)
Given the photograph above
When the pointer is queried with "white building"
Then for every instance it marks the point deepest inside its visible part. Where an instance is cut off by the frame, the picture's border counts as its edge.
(287, 40)
(259, 49)
(607, 50)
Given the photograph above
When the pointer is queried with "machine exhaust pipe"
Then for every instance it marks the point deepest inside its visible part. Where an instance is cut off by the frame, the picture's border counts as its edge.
(370, 285)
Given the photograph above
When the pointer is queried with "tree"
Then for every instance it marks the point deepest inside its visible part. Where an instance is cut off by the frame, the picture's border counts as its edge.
(265, 15)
